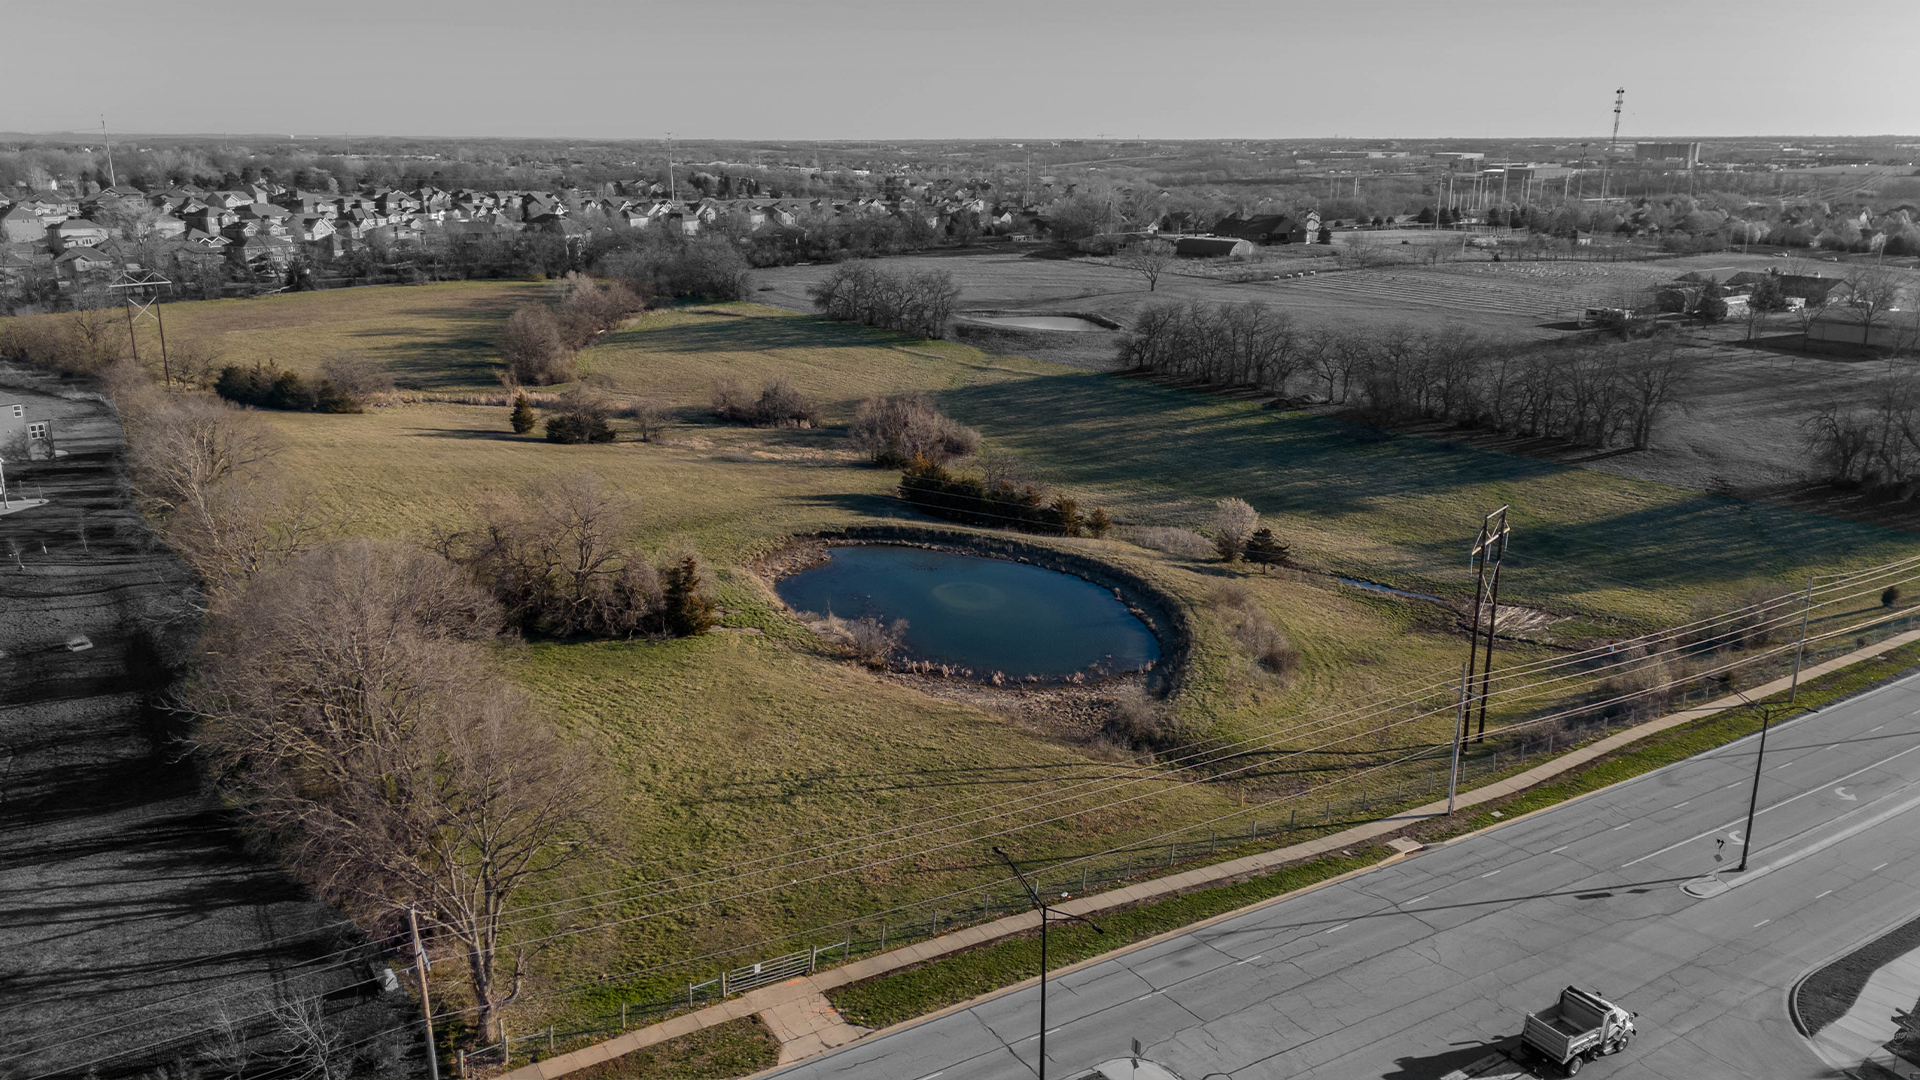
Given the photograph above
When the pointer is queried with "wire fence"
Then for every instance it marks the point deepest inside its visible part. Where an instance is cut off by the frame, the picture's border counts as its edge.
(1415, 779)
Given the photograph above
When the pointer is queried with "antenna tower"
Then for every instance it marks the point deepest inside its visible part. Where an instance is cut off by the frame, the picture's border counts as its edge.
(1619, 98)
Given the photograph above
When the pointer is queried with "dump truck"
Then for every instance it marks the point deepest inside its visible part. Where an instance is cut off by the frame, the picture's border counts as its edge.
(1580, 1027)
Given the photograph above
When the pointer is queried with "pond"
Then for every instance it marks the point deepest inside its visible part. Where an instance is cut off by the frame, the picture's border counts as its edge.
(1037, 322)
(972, 612)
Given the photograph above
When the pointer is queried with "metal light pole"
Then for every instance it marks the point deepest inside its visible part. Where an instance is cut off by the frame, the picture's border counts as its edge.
(1800, 650)
(1753, 800)
(1459, 734)
(1045, 914)
(426, 1005)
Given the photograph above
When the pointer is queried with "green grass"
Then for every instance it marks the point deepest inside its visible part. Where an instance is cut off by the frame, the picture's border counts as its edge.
(735, 1048)
(895, 998)
(729, 746)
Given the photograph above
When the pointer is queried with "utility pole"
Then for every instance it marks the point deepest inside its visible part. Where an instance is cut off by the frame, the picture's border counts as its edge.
(672, 192)
(1800, 650)
(1459, 734)
(1045, 914)
(1489, 551)
(426, 1005)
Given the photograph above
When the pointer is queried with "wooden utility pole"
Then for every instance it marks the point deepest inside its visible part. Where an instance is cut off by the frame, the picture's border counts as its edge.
(426, 1004)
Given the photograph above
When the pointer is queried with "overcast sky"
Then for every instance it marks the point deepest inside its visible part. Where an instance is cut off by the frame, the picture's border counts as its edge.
(906, 69)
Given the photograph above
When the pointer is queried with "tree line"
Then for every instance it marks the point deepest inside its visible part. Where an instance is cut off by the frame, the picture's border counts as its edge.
(917, 304)
(1598, 394)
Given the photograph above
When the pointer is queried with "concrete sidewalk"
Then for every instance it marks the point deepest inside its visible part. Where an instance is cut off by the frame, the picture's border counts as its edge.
(777, 1005)
(1861, 1035)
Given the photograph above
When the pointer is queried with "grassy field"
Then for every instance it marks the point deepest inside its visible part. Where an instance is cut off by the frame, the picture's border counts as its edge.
(756, 738)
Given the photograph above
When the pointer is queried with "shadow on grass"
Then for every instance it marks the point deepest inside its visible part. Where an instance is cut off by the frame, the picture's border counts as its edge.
(749, 335)
(1163, 444)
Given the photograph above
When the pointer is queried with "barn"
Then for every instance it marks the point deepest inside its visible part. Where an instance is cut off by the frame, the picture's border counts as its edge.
(1211, 247)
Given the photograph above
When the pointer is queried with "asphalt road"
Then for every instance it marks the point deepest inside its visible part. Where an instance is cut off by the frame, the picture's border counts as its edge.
(1429, 964)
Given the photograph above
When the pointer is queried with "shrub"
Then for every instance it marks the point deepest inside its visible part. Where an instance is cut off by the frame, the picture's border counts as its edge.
(895, 430)
(1233, 525)
(265, 385)
(781, 405)
(1255, 632)
(522, 418)
(1183, 543)
(591, 308)
(1000, 504)
(647, 418)
(1890, 596)
(531, 344)
(580, 417)
(354, 379)
(870, 640)
(1136, 722)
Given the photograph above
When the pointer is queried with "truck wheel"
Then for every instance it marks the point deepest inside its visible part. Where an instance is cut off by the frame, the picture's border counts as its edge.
(1621, 1045)
(1574, 1063)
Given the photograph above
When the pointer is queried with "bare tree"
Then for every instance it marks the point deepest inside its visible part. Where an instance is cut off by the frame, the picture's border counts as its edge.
(533, 349)
(1234, 523)
(1148, 258)
(348, 711)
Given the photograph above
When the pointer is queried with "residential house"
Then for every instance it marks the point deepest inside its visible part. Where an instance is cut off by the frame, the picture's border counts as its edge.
(24, 437)
(22, 226)
(79, 232)
(81, 262)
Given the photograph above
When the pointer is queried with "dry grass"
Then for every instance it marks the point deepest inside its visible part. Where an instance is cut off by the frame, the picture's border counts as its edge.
(733, 743)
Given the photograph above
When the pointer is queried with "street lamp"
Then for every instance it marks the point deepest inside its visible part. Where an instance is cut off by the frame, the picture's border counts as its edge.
(1746, 843)
(1045, 914)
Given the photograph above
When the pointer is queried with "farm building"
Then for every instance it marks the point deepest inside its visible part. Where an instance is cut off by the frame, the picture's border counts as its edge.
(1211, 247)
(1849, 329)
(1270, 228)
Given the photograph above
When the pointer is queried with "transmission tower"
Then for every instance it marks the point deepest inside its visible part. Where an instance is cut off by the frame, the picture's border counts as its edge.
(141, 291)
(1488, 552)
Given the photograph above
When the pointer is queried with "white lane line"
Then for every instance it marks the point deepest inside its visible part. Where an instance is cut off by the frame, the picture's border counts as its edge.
(1879, 868)
(1871, 730)
(1775, 806)
(1416, 899)
(1559, 849)
(1339, 928)
(1055, 1031)
(1489, 873)
(1617, 828)
(1734, 784)
(1146, 995)
(1248, 960)
(1761, 923)
(1823, 844)
(1824, 895)
(1782, 766)
(930, 1076)
(1677, 806)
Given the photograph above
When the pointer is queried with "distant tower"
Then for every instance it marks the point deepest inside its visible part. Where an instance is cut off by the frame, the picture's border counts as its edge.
(1619, 98)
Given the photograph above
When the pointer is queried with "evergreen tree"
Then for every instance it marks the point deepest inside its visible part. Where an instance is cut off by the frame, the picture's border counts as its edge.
(688, 613)
(523, 420)
(1263, 548)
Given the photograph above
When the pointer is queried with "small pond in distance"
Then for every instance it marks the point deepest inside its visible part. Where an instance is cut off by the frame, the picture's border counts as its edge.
(1037, 322)
(972, 612)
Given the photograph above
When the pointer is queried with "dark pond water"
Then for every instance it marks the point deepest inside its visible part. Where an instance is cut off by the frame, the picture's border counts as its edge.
(986, 614)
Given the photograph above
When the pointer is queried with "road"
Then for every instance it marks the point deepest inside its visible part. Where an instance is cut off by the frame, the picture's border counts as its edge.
(1428, 964)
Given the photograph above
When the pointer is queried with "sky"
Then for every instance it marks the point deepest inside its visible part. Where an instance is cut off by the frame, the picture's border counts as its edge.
(986, 69)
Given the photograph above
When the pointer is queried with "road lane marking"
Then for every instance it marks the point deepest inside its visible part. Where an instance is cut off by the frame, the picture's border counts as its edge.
(1677, 806)
(1871, 730)
(1761, 923)
(1775, 806)
(1879, 868)
(1055, 1031)
(1489, 873)
(1559, 849)
(1417, 899)
(930, 1076)
(1842, 792)
(1829, 892)
(1251, 959)
(1339, 928)
(1782, 766)
(1821, 845)
(1617, 828)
